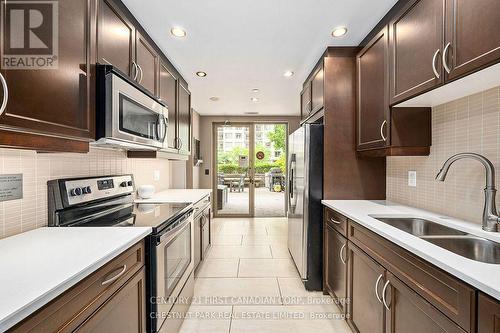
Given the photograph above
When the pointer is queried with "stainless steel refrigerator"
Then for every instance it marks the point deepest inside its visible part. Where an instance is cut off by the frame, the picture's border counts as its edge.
(305, 191)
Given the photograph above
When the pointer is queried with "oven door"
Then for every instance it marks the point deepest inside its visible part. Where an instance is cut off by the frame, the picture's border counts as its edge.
(174, 264)
(135, 116)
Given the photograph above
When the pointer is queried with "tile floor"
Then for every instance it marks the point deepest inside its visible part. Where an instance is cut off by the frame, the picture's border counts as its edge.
(249, 283)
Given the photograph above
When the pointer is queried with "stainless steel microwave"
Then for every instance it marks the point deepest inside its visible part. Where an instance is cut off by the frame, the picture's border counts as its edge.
(127, 115)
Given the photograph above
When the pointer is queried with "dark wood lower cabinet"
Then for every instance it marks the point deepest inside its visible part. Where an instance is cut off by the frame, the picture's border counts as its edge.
(365, 280)
(335, 269)
(124, 312)
(488, 311)
(409, 313)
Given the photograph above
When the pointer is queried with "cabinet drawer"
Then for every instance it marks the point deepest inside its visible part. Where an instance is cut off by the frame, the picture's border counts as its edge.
(451, 296)
(69, 310)
(337, 221)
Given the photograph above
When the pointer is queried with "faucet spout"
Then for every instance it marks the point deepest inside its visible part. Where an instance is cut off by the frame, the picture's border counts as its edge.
(490, 217)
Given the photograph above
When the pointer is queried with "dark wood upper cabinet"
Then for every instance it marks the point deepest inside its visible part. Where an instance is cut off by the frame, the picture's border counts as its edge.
(365, 285)
(317, 90)
(471, 36)
(372, 102)
(147, 60)
(167, 91)
(115, 38)
(408, 312)
(335, 266)
(56, 101)
(488, 314)
(305, 101)
(416, 44)
(184, 120)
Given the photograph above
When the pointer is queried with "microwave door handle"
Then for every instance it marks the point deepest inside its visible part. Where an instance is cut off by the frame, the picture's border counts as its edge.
(157, 127)
(165, 123)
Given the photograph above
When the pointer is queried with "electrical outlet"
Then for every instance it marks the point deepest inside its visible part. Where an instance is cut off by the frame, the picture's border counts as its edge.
(156, 175)
(412, 178)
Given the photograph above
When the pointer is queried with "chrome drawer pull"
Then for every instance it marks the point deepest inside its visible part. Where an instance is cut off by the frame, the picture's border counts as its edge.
(376, 288)
(116, 277)
(334, 221)
(383, 296)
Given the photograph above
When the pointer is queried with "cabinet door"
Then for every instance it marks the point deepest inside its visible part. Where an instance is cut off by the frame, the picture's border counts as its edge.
(147, 60)
(408, 312)
(115, 38)
(335, 269)
(317, 90)
(373, 106)
(167, 91)
(416, 41)
(305, 100)
(184, 120)
(365, 282)
(472, 33)
(52, 99)
(125, 311)
(488, 311)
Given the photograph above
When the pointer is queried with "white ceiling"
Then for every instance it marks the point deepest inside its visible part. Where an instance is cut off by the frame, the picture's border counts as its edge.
(245, 44)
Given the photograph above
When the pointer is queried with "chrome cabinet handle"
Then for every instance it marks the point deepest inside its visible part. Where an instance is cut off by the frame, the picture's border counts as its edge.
(382, 130)
(383, 295)
(340, 254)
(436, 73)
(334, 221)
(141, 73)
(376, 287)
(136, 70)
(116, 277)
(445, 58)
(5, 94)
(180, 143)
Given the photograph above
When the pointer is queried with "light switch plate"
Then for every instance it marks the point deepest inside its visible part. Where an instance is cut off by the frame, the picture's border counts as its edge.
(156, 175)
(412, 178)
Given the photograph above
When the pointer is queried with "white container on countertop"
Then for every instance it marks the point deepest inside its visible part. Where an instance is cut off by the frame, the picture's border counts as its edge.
(145, 191)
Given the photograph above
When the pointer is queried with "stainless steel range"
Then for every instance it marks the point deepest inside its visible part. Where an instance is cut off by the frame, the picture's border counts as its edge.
(109, 201)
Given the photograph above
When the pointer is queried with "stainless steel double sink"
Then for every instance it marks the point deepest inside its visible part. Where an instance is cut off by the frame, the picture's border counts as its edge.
(456, 241)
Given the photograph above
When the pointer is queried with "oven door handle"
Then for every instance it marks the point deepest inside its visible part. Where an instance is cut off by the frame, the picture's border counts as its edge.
(171, 234)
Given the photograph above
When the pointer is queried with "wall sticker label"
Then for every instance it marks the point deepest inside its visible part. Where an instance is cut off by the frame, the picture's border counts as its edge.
(30, 35)
(11, 187)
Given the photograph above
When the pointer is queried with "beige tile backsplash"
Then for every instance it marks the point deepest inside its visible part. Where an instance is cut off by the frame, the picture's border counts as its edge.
(31, 212)
(470, 124)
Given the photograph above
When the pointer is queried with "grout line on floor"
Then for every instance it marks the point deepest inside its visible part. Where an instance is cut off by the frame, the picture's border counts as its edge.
(231, 318)
(238, 270)
(271, 250)
(279, 289)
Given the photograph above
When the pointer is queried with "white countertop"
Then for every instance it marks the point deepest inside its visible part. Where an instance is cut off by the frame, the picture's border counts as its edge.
(176, 196)
(39, 265)
(483, 276)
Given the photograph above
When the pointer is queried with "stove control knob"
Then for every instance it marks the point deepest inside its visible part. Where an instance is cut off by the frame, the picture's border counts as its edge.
(129, 183)
(86, 190)
(123, 184)
(76, 191)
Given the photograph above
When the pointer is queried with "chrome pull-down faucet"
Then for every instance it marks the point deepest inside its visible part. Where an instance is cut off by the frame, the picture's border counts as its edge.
(490, 214)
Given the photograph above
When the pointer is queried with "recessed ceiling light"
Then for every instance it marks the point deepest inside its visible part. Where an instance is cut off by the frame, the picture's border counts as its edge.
(339, 31)
(254, 99)
(214, 98)
(201, 74)
(255, 90)
(288, 74)
(178, 32)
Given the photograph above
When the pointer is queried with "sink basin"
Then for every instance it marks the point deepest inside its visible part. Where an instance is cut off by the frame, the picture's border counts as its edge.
(475, 248)
(456, 241)
(419, 227)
